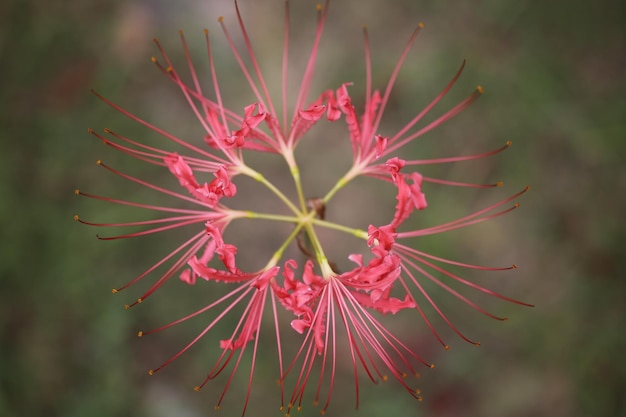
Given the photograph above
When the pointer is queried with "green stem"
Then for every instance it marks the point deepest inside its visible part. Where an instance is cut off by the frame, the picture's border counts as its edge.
(266, 216)
(246, 170)
(295, 174)
(321, 258)
(343, 181)
(360, 233)
(279, 253)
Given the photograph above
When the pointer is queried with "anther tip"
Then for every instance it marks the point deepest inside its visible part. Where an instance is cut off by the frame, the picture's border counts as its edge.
(99, 162)
(180, 32)
(76, 217)
(477, 343)
(220, 19)
(509, 143)
(480, 89)
(154, 59)
(155, 40)
(514, 266)
(89, 130)
(126, 306)
(150, 372)
(76, 191)
(432, 366)
(446, 347)
(206, 31)
(319, 7)
(196, 388)
(421, 25)
(114, 291)
(139, 333)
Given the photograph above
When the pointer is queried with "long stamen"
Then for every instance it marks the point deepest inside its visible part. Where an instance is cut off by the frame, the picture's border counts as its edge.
(467, 220)
(439, 121)
(195, 244)
(216, 86)
(392, 142)
(152, 186)
(192, 69)
(242, 65)
(461, 184)
(464, 282)
(254, 61)
(392, 80)
(368, 77)
(305, 85)
(285, 69)
(459, 158)
(434, 305)
(203, 332)
(158, 130)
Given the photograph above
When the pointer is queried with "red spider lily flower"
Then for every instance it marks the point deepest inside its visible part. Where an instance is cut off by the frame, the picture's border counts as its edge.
(331, 309)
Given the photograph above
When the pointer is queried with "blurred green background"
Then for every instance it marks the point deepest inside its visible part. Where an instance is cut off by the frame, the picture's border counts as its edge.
(554, 79)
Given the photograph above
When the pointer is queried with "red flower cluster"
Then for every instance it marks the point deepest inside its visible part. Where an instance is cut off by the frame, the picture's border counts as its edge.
(325, 303)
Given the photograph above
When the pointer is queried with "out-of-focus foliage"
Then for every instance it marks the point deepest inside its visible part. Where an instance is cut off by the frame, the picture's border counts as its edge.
(554, 79)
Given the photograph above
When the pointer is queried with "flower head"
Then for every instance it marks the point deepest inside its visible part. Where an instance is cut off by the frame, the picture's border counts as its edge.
(330, 308)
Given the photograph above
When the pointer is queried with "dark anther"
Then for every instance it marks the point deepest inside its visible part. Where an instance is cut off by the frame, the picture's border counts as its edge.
(318, 205)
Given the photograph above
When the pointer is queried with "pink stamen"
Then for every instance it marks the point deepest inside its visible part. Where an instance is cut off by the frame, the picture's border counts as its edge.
(414, 252)
(199, 240)
(406, 253)
(305, 84)
(159, 131)
(209, 215)
(285, 68)
(421, 114)
(223, 130)
(467, 220)
(367, 133)
(206, 329)
(460, 184)
(459, 158)
(157, 188)
(179, 222)
(442, 119)
(255, 62)
(434, 305)
(243, 67)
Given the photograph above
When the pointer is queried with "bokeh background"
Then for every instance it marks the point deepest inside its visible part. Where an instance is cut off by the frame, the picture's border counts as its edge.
(553, 73)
